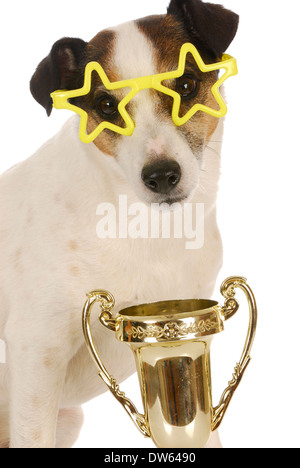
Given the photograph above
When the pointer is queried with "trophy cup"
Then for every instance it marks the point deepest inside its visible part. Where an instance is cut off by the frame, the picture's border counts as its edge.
(171, 344)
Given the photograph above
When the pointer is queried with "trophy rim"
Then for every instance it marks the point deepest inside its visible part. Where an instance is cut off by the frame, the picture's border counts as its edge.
(175, 320)
(170, 309)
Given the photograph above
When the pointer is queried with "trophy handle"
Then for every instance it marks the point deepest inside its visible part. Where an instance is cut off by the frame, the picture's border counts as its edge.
(107, 302)
(231, 306)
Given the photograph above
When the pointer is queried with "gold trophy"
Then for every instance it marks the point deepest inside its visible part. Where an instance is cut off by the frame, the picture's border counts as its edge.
(171, 344)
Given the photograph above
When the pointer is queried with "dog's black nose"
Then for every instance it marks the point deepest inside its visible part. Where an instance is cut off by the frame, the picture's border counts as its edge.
(162, 176)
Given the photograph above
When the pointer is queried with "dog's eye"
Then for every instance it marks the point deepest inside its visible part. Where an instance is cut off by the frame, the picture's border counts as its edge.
(187, 86)
(107, 106)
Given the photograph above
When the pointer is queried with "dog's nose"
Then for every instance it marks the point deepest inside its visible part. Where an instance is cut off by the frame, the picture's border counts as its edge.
(162, 176)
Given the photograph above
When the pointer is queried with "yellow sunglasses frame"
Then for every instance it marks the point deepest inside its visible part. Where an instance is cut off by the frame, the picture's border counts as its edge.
(61, 98)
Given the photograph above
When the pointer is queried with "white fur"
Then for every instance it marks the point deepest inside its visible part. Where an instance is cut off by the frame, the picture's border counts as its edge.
(136, 58)
(2, 352)
(51, 257)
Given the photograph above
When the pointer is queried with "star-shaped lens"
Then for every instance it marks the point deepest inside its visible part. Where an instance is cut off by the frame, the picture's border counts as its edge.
(227, 63)
(61, 101)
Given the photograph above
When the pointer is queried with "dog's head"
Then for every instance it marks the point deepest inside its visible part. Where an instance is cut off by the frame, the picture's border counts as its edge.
(161, 161)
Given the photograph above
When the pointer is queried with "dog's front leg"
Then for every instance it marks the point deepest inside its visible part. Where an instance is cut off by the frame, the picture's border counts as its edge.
(37, 366)
(34, 398)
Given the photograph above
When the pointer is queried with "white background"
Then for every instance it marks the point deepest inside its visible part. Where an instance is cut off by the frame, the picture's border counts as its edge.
(258, 200)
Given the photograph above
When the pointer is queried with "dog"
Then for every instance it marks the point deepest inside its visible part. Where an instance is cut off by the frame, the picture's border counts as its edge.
(50, 253)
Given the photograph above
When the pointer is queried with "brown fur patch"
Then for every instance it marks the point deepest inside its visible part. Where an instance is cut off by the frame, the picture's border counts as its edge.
(74, 270)
(73, 245)
(167, 35)
(17, 262)
(48, 362)
(100, 49)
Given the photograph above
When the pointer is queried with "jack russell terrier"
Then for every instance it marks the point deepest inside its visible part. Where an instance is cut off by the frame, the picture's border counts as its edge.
(51, 252)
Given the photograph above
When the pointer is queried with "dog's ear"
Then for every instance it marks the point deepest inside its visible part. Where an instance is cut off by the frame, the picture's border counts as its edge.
(58, 71)
(211, 26)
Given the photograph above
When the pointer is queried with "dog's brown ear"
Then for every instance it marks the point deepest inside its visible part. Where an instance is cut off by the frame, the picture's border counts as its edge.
(211, 26)
(59, 70)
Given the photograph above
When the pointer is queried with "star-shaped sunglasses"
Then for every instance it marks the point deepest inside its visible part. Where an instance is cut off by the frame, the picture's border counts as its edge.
(61, 98)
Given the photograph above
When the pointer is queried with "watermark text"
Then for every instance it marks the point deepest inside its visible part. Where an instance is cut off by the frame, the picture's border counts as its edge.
(157, 221)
